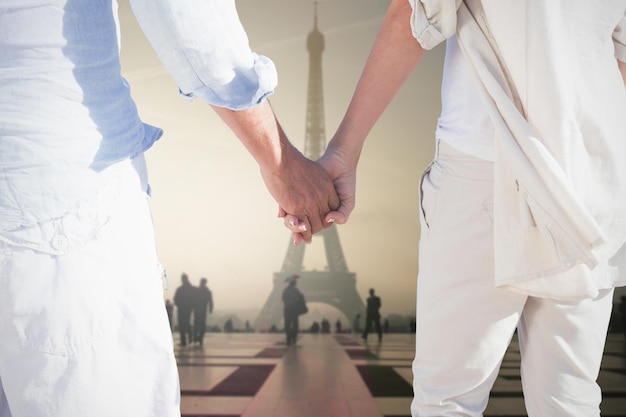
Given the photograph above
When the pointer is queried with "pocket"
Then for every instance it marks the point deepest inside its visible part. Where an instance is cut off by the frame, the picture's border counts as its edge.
(51, 304)
(430, 185)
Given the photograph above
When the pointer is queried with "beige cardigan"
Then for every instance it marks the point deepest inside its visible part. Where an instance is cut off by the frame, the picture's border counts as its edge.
(560, 145)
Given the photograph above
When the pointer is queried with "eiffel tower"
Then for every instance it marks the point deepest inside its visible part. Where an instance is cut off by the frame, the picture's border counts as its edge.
(336, 285)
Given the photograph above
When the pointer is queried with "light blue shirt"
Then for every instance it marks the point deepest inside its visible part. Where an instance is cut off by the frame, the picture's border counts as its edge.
(66, 114)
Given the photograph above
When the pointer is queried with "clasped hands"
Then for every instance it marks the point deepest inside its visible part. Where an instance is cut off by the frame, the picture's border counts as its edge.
(312, 195)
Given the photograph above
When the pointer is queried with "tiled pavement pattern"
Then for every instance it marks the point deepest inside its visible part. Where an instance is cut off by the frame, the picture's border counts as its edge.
(256, 375)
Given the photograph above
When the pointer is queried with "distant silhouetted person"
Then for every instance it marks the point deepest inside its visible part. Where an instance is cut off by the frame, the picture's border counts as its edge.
(228, 326)
(325, 326)
(248, 328)
(169, 308)
(203, 303)
(386, 326)
(338, 326)
(294, 305)
(373, 315)
(183, 299)
(315, 327)
(356, 324)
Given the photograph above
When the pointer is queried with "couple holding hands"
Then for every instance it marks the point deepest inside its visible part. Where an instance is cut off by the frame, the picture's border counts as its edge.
(522, 209)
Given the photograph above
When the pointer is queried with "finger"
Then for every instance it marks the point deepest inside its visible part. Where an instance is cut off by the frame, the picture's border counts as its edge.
(334, 202)
(307, 238)
(316, 223)
(281, 212)
(291, 222)
(300, 229)
(327, 223)
(331, 211)
(335, 217)
(305, 230)
(339, 216)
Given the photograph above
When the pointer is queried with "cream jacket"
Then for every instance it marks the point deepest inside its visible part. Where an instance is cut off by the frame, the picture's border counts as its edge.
(558, 105)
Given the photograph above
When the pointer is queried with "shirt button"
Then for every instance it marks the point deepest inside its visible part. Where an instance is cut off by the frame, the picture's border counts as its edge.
(59, 242)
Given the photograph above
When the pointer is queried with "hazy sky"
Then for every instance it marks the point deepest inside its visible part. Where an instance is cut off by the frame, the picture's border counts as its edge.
(212, 213)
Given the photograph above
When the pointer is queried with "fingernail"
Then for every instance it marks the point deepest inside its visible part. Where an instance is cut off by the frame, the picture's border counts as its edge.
(291, 222)
(331, 220)
(302, 228)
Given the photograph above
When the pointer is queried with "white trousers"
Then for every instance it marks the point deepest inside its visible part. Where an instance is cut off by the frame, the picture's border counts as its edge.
(83, 327)
(464, 324)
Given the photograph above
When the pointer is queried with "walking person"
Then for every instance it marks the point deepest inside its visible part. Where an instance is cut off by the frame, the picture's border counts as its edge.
(522, 209)
(294, 305)
(203, 304)
(184, 298)
(372, 315)
(338, 326)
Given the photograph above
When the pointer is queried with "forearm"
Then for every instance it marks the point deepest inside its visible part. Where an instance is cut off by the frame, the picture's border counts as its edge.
(622, 69)
(260, 133)
(393, 57)
(300, 187)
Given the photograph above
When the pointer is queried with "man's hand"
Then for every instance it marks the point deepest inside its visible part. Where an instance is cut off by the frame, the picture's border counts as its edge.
(344, 180)
(303, 189)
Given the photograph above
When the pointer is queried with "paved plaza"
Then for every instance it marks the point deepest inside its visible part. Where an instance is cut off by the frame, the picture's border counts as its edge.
(328, 375)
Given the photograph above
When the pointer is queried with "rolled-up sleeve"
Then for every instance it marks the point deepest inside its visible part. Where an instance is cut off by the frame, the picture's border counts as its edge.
(433, 21)
(619, 40)
(203, 45)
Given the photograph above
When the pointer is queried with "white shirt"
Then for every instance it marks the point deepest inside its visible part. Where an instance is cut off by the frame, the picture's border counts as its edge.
(66, 114)
(464, 121)
(554, 94)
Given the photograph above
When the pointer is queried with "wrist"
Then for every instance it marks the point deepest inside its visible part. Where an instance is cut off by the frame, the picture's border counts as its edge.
(278, 159)
(346, 146)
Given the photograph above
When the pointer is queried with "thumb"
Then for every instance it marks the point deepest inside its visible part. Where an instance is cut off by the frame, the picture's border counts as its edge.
(339, 216)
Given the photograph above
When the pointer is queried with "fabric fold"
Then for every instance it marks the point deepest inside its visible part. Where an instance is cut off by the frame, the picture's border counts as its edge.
(557, 254)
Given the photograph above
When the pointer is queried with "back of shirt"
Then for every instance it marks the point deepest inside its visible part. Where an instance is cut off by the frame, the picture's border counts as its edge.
(65, 111)
(561, 56)
(464, 121)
